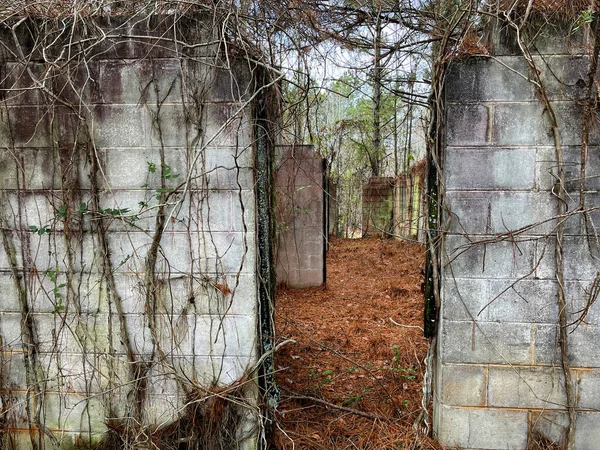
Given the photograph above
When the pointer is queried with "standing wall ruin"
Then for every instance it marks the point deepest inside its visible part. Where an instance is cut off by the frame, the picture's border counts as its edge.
(131, 161)
(500, 379)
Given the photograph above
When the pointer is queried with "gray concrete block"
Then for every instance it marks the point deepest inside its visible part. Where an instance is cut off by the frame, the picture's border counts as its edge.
(464, 299)
(516, 210)
(588, 389)
(587, 433)
(580, 260)
(547, 350)
(526, 387)
(528, 301)
(49, 252)
(224, 252)
(9, 298)
(495, 260)
(482, 428)
(584, 346)
(24, 126)
(546, 171)
(485, 79)
(489, 168)
(229, 336)
(18, 87)
(470, 212)
(115, 126)
(169, 126)
(227, 125)
(211, 371)
(6, 260)
(133, 81)
(578, 300)
(476, 212)
(551, 425)
(564, 77)
(486, 343)
(467, 125)
(225, 168)
(463, 385)
(520, 124)
(131, 168)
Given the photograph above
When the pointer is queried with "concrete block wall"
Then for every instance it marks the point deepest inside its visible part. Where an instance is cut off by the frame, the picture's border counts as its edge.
(377, 205)
(410, 202)
(499, 381)
(301, 234)
(128, 274)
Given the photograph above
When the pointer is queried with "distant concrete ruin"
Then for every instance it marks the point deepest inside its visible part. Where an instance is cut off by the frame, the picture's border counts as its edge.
(302, 209)
(410, 201)
(377, 205)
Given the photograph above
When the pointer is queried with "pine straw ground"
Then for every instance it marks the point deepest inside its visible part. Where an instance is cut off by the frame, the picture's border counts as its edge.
(353, 378)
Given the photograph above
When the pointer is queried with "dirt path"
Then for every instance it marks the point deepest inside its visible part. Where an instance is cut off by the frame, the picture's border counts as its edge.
(353, 378)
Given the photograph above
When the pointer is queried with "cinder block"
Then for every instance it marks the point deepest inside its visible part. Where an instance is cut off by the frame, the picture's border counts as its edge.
(130, 168)
(588, 389)
(18, 86)
(584, 346)
(520, 124)
(551, 425)
(115, 126)
(463, 385)
(581, 261)
(464, 299)
(485, 79)
(467, 125)
(587, 431)
(169, 126)
(471, 212)
(226, 168)
(25, 126)
(489, 168)
(227, 125)
(484, 428)
(529, 301)
(213, 371)
(133, 82)
(486, 343)
(495, 260)
(229, 336)
(547, 350)
(564, 77)
(526, 387)
(578, 298)
(224, 253)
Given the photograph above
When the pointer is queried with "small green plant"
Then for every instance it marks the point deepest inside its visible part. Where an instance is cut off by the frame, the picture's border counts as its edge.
(53, 275)
(62, 212)
(167, 172)
(585, 17)
(115, 212)
(39, 231)
(322, 378)
(396, 366)
(353, 399)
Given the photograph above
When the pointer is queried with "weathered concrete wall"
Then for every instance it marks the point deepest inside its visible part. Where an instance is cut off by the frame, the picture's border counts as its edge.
(128, 277)
(301, 233)
(410, 204)
(499, 379)
(377, 205)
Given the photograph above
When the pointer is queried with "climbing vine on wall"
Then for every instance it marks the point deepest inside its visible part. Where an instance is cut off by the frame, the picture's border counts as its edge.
(129, 243)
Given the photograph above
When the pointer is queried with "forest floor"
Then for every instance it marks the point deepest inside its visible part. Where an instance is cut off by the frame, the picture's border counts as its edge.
(353, 377)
